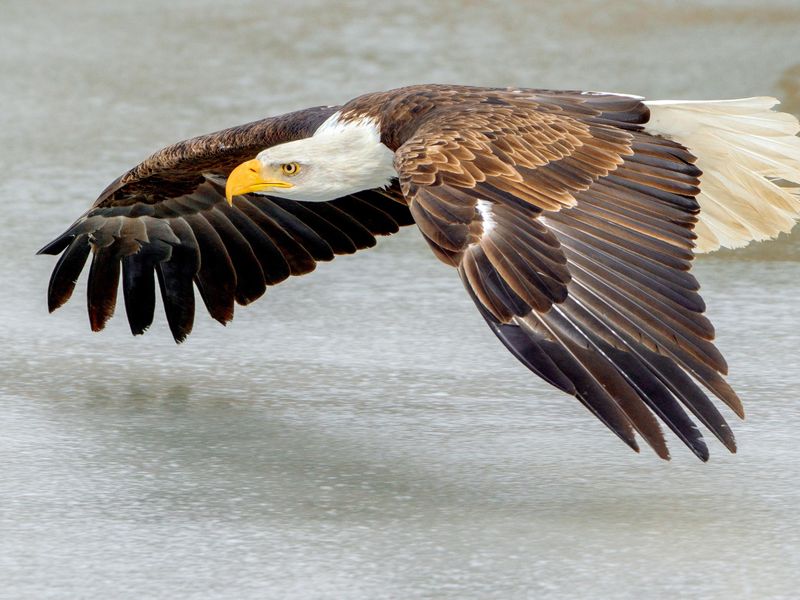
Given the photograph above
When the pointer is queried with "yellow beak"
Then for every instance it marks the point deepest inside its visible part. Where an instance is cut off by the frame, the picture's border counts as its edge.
(247, 178)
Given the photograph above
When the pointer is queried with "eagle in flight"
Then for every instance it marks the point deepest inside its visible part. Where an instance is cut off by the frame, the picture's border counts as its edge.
(571, 217)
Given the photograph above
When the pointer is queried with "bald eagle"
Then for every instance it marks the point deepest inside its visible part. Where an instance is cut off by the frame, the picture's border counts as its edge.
(571, 217)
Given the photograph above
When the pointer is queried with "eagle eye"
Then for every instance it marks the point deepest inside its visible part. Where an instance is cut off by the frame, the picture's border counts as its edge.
(290, 168)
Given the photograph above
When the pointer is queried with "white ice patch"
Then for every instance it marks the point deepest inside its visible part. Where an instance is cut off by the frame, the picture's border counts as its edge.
(487, 217)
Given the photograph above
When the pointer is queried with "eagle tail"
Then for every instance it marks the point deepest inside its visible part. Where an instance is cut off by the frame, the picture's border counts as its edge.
(750, 158)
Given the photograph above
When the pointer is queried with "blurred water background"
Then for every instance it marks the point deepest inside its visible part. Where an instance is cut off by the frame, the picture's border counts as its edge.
(360, 433)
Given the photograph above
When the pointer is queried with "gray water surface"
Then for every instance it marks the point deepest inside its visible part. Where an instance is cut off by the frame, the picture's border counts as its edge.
(359, 433)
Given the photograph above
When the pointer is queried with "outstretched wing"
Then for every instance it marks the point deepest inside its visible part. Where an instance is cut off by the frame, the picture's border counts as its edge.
(571, 229)
(167, 220)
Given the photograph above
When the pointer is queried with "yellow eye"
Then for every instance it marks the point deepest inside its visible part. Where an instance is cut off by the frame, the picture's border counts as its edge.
(290, 169)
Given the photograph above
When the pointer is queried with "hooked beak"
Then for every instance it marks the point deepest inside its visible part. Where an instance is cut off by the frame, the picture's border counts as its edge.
(247, 178)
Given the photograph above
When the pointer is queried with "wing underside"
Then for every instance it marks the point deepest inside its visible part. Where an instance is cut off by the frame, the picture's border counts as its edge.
(165, 224)
(231, 253)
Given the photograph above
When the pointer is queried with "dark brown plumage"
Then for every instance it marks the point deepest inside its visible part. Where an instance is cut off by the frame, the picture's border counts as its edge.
(569, 224)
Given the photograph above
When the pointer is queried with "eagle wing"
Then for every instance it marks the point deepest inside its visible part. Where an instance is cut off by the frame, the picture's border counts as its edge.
(167, 220)
(572, 232)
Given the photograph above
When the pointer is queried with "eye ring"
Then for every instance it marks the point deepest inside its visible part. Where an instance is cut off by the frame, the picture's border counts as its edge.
(290, 169)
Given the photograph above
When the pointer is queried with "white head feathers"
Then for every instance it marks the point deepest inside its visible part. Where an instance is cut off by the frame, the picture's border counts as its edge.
(340, 158)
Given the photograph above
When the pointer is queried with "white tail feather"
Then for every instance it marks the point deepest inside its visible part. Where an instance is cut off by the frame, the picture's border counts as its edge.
(750, 158)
